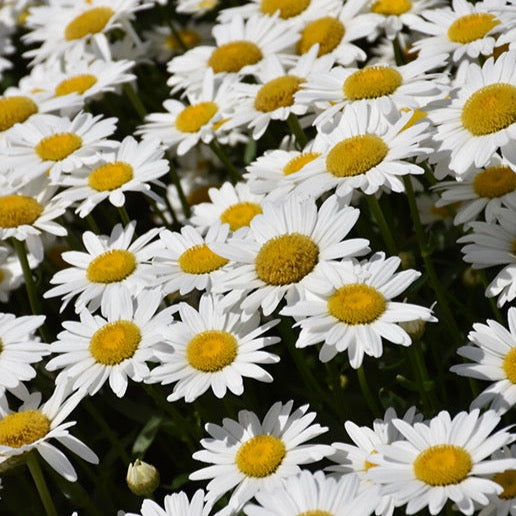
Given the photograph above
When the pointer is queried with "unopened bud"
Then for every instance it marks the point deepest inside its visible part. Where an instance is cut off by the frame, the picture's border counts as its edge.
(414, 328)
(408, 260)
(142, 478)
(471, 277)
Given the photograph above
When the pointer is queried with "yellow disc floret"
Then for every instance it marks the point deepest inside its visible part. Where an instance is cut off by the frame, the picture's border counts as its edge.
(357, 303)
(18, 210)
(490, 109)
(286, 259)
(315, 512)
(233, 56)
(297, 163)
(287, 8)
(15, 110)
(110, 176)
(211, 350)
(87, 23)
(495, 182)
(58, 146)
(112, 266)
(200, 259)
(115, 342)
(391, 7)
(509, 365)
(77, 84)
(327, 31)
(21, 428)
(189, 38)
(442, 465)
(192, 118)
(356, 155)
(277, 93)
(507, 479)
(471, 27)
(240, 214)
(260, 456)
(372, 82)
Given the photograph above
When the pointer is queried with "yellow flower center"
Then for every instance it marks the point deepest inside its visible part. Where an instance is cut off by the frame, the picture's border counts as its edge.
(200, 259)
(112, 266)
(297, 163)
(417, 115)
(442, 465)
(495, 182)
(277, 93)
(58, 146)
(391, 7)
(286, 259)
(471, 27)
(20, 428)
(286, 8)
(192, 118)
(77, 84)
(15, 110)
(509, 365)
(2, 276)
(357, 304)
(211, 350)
(490, 109)
(115, 342)
(327, 31)
(372, 82)
(240, 214)
(316, 512)
(233, 56)
(356, 155)
(507, 480)
(110, 176)
(260, 456)
(89, 22)
(199, 195)
(18, 210)
(188, 37)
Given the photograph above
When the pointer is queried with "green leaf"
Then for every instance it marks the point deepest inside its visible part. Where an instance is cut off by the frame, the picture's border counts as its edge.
(147, 435)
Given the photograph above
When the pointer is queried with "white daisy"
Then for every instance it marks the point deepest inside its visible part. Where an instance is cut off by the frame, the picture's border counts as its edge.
(493, 352)
(33, 425)
(48, 144)
(19, 348)
(284, 248)
(214, 348)
(132, 167)
(96, 350)
(492, 244)
(196, 7)
(351, 309)
(248, 455)
(176, 504)
(443, 459)
(482, 116)
(313, 494)
(184, 261)
(110, 265)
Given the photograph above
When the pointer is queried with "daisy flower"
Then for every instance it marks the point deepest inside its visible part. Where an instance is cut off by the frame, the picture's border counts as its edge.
(48, 144)
(492, 244)
(233, 205)
(129, 168)
(109, 265)
(214, 348)
(19, 348)
(443, 459)
(185, 125)
(366, 151)
(351, 309)
(196, 7)
(240, 47)
(96, 350)
(429, 213)
(482, 116)
(176, 504)
(248, 455)
(464, 30)
(493, 352)
(313, 493)
(33, 425)
(184, 261)
(481, 191)
(284, 248)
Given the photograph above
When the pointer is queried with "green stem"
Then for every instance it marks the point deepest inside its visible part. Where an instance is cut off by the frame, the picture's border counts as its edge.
(364, 387)
(92, 224)
(41, 485)
(217, 149)
(124, 216)
(297, 130)
(421, 373)
(135, 100)
(170, 209)
(180, 192)
(398, 52)
(376, 211)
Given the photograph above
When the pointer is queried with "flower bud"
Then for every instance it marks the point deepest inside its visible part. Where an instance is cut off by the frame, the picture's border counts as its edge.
(414, 328)
(142, 478)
